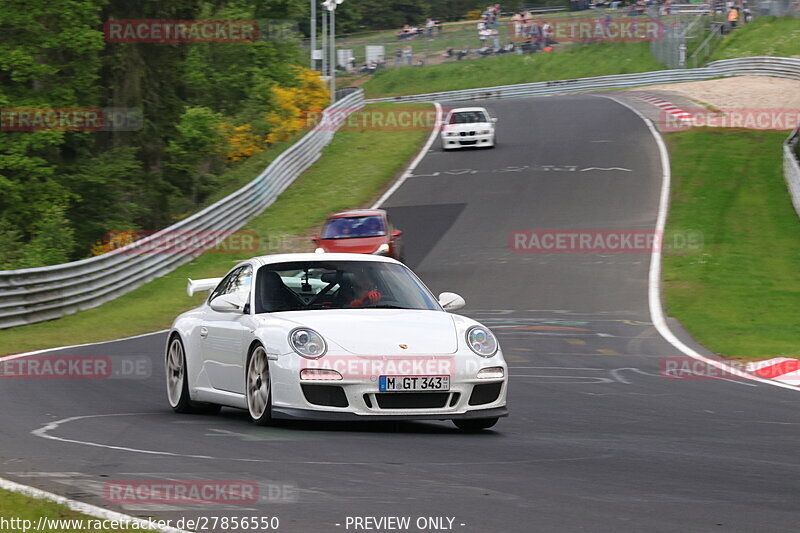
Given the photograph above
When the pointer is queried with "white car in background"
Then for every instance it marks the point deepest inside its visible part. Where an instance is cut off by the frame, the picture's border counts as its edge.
(467, 127)
(333, 337)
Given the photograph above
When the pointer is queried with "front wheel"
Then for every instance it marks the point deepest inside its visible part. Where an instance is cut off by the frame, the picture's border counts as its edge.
(472, 425)
(178, 382)
(259, 390)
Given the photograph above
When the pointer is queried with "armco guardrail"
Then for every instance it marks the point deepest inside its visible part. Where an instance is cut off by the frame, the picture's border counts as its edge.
(791, 167)
(747, 66)
(37, 294)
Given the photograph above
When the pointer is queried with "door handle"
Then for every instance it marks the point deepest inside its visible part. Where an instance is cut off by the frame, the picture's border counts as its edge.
(204, 332)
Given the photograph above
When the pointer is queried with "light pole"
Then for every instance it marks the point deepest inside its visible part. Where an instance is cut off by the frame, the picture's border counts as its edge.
(313, 34)
(323, 48)
(331, 5)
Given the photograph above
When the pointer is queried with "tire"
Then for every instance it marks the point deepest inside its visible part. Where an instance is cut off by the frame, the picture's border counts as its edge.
(473, 425)
(178, 382)
(258, 387)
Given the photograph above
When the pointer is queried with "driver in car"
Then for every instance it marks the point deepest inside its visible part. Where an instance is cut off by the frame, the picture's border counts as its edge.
(363, 292)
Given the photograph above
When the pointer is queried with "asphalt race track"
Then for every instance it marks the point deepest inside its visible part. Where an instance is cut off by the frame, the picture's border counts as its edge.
(596, 441)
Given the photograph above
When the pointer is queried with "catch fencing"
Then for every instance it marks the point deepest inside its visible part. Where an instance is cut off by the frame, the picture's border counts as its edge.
(37, 294)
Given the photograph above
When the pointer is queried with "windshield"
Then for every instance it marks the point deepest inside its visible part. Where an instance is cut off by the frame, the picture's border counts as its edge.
(354, 227)
(318, 284)
(468, 117)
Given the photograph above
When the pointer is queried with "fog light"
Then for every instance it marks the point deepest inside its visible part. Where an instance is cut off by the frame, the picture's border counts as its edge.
(493, 372)
(320, 374)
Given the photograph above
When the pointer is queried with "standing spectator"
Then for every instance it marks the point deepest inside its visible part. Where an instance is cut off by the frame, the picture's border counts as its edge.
(408, 52)
(398, 56)
(495, 35)
(733, 16)
(429, 25)
(547, 33)
(484, 35)
(516, 20)
(481, 29)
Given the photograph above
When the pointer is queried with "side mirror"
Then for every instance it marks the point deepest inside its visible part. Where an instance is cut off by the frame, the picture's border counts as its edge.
(451, 301)
(396, 233)
(227, 303)
(494, 119)
(315, 239)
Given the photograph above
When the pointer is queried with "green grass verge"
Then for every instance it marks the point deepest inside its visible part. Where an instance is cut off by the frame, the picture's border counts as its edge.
(574, 62)
(22, 508)
(353, 169)
(765, 36)
(738, 295)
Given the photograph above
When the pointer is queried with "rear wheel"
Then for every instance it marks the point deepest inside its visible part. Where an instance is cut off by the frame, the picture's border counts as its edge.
(259, 389)
(472, 425)
(178, 382)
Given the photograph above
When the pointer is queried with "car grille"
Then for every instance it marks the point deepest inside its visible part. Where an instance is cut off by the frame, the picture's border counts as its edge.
(467, 143)
(465, 133)
(412, 400)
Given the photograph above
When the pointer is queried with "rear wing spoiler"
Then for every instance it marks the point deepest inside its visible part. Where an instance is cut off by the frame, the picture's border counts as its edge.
(196, 285)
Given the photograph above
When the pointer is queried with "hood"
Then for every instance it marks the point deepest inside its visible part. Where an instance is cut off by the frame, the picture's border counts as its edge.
(380, 331)
(357, 245)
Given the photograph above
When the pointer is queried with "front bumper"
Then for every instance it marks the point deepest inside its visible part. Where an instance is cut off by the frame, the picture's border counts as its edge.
(359, 398)
(290, 413)
(467, 141)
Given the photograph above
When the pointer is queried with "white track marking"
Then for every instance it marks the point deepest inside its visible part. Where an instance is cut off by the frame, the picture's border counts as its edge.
(422, 153)
(84, 508)
(36, 352)
(654, 280)
(44, 432)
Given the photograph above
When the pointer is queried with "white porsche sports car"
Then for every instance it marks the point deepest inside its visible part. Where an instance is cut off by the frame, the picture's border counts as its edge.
(468, 127)
(333, 337)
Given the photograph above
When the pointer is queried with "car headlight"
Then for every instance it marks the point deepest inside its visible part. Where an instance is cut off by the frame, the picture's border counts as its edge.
(482, 341)
(307, 343)
(451, 134)
(319, 251)
(382, 249)
(486, 132)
